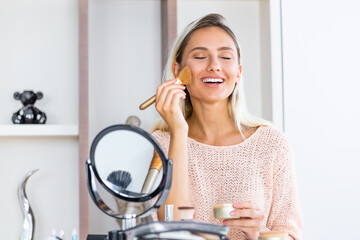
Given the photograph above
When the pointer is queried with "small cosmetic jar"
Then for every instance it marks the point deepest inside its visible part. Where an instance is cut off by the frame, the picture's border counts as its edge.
(222, 211)
(186, 213)
(274, 236)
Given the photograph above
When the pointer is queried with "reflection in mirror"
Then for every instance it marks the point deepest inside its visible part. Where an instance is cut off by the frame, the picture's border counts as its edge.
(122, 159)
(122, 207)
(134, 209)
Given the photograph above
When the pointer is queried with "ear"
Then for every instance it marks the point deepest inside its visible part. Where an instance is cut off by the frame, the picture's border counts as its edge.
(17, 95)
(39, 95)
(175, 69)
(238, 76)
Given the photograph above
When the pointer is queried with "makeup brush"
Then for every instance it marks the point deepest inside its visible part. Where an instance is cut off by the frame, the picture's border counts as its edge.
(120, 178)
(155, 168)
(184, 78)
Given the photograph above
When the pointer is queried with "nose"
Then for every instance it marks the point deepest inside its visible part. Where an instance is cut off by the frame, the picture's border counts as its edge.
(214, 65)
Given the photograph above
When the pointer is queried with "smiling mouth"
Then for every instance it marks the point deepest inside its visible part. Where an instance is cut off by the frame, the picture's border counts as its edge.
(212, 80)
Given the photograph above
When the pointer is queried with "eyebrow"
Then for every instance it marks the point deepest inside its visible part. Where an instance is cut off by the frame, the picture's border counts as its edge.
(205, 49)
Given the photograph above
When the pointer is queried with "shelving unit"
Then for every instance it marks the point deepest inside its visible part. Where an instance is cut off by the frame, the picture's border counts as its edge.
(38, 130)
(39, 52)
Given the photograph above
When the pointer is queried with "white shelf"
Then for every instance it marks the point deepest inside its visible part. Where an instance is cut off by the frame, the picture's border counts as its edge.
(39, 130)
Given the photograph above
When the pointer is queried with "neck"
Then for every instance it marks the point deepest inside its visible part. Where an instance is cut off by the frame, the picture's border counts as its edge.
(210, 121)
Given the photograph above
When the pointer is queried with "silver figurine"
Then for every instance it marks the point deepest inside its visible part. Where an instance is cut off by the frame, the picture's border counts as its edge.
(29, 220)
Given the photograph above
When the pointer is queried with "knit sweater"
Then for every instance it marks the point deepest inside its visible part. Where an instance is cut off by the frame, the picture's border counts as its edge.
(259, 170)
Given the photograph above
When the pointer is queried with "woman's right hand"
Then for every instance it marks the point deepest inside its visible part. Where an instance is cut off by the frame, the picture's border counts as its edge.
(168, 95)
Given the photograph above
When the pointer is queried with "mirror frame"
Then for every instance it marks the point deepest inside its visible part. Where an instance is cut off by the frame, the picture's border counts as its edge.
(162, 190)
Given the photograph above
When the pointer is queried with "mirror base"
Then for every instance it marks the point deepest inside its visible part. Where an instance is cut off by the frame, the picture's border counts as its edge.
(96, 237)
(117, 235)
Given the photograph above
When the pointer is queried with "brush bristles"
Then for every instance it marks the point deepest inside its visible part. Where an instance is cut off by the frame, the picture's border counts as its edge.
(185, 76)
(120, 178)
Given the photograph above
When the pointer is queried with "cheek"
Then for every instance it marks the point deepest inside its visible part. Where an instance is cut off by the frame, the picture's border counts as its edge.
(233, 71)
(191, 89)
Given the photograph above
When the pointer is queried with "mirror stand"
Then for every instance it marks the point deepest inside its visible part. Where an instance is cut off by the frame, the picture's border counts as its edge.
(129, 221)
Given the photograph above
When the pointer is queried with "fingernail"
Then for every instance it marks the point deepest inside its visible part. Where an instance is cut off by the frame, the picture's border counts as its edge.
(225, 222)
(232, 213)
(236, 205)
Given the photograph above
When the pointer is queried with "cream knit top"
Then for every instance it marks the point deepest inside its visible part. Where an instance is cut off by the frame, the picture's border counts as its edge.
(259, 170)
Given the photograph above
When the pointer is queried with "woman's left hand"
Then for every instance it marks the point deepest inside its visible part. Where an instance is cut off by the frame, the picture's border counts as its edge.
(249, 220)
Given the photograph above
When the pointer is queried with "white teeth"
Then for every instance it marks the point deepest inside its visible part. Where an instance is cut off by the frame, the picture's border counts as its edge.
(212, 80)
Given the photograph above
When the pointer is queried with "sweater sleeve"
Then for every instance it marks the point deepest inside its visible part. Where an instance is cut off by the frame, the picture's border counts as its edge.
(163, 138)
(285, 214)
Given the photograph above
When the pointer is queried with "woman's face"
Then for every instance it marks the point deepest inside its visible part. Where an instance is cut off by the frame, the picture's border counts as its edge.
(212, 57)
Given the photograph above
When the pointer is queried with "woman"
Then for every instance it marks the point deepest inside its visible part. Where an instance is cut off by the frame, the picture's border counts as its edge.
(221, 154)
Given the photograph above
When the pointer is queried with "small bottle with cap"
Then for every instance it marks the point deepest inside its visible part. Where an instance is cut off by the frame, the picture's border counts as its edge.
(169, 213)
(74, 235)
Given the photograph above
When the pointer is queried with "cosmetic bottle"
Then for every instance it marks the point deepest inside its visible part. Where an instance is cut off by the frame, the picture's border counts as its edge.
(53, 235)
(169, 213)
(61, 234)
(74, 234)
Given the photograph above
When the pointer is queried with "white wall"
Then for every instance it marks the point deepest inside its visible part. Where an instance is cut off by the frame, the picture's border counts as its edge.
(39, 51)
(124, 61)
(321, 85)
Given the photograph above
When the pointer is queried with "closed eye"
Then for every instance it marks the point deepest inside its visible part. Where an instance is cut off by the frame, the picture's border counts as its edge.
(199, 57)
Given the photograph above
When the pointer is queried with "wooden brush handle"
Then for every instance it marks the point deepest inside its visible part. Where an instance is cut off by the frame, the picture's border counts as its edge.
(184, 78)
(156, 162)
(147, 103)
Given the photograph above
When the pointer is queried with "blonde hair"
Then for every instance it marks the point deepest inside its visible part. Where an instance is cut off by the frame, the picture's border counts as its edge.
(236, 104)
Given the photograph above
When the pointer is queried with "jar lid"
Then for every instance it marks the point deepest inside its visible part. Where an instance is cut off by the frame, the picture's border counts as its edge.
(275, 235)
(223, 205)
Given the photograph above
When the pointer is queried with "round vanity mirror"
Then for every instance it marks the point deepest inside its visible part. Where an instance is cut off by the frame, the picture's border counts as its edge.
(129, 164)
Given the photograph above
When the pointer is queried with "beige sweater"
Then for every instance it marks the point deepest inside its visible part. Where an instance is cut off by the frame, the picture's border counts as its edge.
(260, 170)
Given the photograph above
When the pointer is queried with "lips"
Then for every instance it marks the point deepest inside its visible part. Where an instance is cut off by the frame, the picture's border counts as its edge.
(213, 81)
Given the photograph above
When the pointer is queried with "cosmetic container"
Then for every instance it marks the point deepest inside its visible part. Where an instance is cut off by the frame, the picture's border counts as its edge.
(186, 213)
(74, 234)
(222, 211)
(274, 236)
(169, 213)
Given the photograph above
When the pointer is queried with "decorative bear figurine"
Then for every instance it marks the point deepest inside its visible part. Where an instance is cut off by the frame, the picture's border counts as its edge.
(28, 114)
